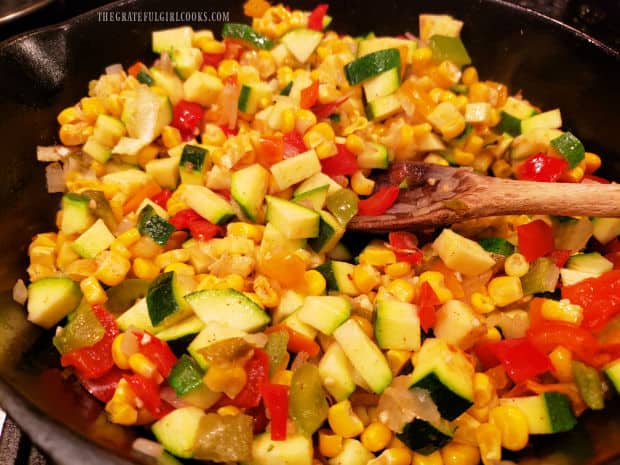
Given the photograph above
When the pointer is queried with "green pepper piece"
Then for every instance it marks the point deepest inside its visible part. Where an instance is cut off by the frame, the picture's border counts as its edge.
(542, 276)
(307, 402)
(449, 48)
(123, 296)
(570, 148)
(224, 438)
(83, 330)
(185, 375)
(497, 245)
(343, 205)
(589, 384)
(276, 350)
(100, 206)
(145, 78)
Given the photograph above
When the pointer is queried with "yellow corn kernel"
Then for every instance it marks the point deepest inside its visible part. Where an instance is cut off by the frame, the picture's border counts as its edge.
(247, 230)
(479, 92)
(474, 144)
(437, 282)
(482, 303)
(118, 355)
(405, 136)
(489, 439)
(284, 75)
(447, 119)
(288, 120)
(120, 248)
(98, 168)
(282, 377)
(505, 290)
(267, 296)
(181, 268)
(593, 162)
(465, 429)
(432, 459)
(129, 237)
(398, 269)
(171, 137)
(501, 169)
(69, 115)
(516, 265)
(229, 380)
(146, 154)
(377, 255)
(480, 413)
(121, 413)
(315, 282)
(144, 268)
(397, 359)
(112, 268)
(91, 108)
(402, 289)
(376, 436)
(209, 45)
(45, 240)
(492, 335)
(362, 185)
(366, 277)
(326, 150)
(470, 76)
(81, 268)
(421, 130)
(141, 365)
(574, 175)
(235, 281)
(494, 117)
(172, 256)
(512, 425)
(330, 444)
(213, 135)
(562, 310)
(343, 420)
(42, 255)
(421, 56)
(463, 158)
(66, 255)
(324, 130)
(354, 144)
(227, 68)
(435, 159)
(435, 94)
(208, 282)
(460, 454)
(92, 291)
(304, 120)
(395, 456)
(562, 360)
(484, 391)
(74, 133)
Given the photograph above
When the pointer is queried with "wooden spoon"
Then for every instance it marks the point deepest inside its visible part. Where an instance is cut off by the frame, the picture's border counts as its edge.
(438, 195)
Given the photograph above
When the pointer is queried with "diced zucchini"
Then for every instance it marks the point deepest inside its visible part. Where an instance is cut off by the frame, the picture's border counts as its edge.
(228, 306)
(340, 252)
(462, 254)
(449, 48)
(193, 163)
(290, 301)
(291, 219)
(383, 107)
(292, 321)
(447, 374)
(439, 24)
(186, 60)
(570, 277)
(246, 34)
(612, 371)
(497, 245)
(546, 413)
(508, 124)
(457, 324)
(477, 112)
(325, 312)
(572, 234)
(364, 355)
(384, 84)
(339, 276)
(251, 94)
(605, 230)
(76, 214)
(528, 144)
(551, 119)
(166, 39)
(382, 43)
(164, 171)
(275, 242)
(191, 325)
(146, 114)
(330, 232)
(128, 148)
(295, 169)
(95, 239)
(335, 371)
(397, 325)
(372, 65)
(425, 437)
(374, 156)
(152, 225)
(248, 187)
(165, 301)
(108, 130)
(178, 430)
(213, 332)
(52, 299)
(542, 276)
(169, 82)
(137, 316)
(96, 150)
(125, 294)
(202, 88)
(208, 204)
(314, 198)
(302, 43)
(353, 452)
(296, 449)
(592, 262)
(317, 180)
(519, 108)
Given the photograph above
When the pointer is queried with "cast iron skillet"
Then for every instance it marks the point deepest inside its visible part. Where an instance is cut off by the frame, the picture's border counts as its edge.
(45, 71)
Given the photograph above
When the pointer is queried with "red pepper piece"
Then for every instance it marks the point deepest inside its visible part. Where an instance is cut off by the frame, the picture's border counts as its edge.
(427, 303)
(233, 49)
(315, 20)
(96, 360)
(309, 95)
(293, 144)
(599, 297)
(547, 335)
(136, 68)
(275, 397)
(535, 239)
(270, 150)
(543, 168)
(212, 59)
(343, 163)
(589, 178)
(162, 197)
(323, 110)
(404, 245)
(378, 202)
(103, 388)
(204, 230)
(257, 371)
(229, 132)
(148, 392)
(158, 352)
(186, 117)
(183, 218)
(559, 257)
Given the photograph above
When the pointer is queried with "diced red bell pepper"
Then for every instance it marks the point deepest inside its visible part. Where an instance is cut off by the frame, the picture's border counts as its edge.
(275, 397)
(519, 357)
(427, 303)
(162, 197)
(343, 163)
(542, 167)
(535, 239)
(257, 371)
(229, 132)
(612, 246)
(293, 144)
(559, 257)
(103, 388)
(94, 361)
(186, 117)
(270, 150)
(599, 297)
(547, 335)
(199, 228)
(309, 95)
(136, 68)
(614, 257)
(590, 178)
(183, 218)
(297, 342)
(158, 352)
(378, 202)
(405, 246)
(212, 59)
(315, 20)
(148, 392)
(323, 110)
(233, 49)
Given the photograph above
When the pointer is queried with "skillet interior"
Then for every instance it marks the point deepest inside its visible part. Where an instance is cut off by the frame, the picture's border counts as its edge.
(45, 71)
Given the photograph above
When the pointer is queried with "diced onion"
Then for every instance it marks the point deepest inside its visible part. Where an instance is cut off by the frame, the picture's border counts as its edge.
(257, 340)
(164, 62)
(300, 359)
(55, 178)
(148, 447)
(125, 225)
(129, 343)
(169, 395)
(52, 152)
(20, 292)
(116, 68)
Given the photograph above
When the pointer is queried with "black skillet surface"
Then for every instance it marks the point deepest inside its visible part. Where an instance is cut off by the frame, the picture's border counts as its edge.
(43, 72)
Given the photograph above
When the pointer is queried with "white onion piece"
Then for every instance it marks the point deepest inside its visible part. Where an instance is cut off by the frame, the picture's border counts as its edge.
(165, 62)
(125, 225)
(116, 68)
(55, 178)
(148, 447)
(51, 152)
(257, 340)
(129, 344)
(169, 395)
(300, 359)
(20, 292)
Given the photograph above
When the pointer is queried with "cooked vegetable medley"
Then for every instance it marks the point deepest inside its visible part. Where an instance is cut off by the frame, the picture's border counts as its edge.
(205, 203)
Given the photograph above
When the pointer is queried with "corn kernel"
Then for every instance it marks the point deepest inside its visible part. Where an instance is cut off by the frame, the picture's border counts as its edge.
(92, 291)
(120, 248)
(482, 303)
(406, 136)
(463, 158)
(121, 413)
(501, 169)
(74, 133)
(516, 265)
(505, 290)
(112, 268)
(484, 391)
(171, 137)
(365, 277)
(362, 185)
(315, 282)
(304, 120)
(354, 144)
(247, 230)
(180, 268)
(492, 335)
(421, 56)
(284, 75)
(91, 108)
(394, 456)
(143, 366)
(69, 115)
(447, 119)
(435, 94)
(479, 92)
(397, 359)
(146, 154)
(228, 411)
(435, 159)
(377, 255)
(489, 438)
(562, 360)
(573, 175)
(460, 454)
(227, 68)
(402, 289)
(437, 282)
(209, 45)
(470, 76)
(512, 424)
(234, 281)
(330, 444)
(465, 432)
(593, 162)
(213, 135)
(343, 420)
(562, 310)
(267, 296)
(288, 120)
(282, 377)
(172, 256)
(398, 269)
(42, 255)
(474, 144)
(326, 150)
(432, 459)
(365, 324)
(145, 268)
(229, 380)
(121, 359)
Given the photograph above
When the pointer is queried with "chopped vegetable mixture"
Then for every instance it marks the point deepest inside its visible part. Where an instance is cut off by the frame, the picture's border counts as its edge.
(205, 203)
